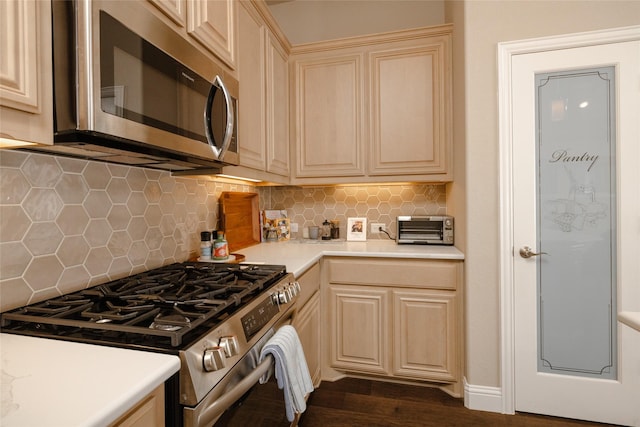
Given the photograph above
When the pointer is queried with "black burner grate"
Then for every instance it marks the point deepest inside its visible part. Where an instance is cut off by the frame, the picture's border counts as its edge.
(162, 308)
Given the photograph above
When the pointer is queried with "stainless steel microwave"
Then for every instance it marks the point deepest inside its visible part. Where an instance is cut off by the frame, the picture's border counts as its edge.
(129, 89)
(425, 230)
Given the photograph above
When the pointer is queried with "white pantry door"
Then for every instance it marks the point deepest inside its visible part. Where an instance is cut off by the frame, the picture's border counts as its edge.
(576, 197)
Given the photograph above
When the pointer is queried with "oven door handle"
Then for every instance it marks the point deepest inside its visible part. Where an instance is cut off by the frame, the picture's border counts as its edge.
(213, 411)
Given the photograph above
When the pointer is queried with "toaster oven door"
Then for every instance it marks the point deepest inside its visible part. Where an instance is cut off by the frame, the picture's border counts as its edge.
(425, 231)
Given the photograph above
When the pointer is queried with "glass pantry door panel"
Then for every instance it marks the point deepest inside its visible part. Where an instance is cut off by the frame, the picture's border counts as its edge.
(576, 214)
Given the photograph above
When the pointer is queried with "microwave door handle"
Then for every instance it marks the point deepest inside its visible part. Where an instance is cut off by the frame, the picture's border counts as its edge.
(208, 126)
(230, 118)
(219, 151)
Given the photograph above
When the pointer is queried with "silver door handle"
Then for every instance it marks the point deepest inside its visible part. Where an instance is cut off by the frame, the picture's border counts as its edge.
(526, 252)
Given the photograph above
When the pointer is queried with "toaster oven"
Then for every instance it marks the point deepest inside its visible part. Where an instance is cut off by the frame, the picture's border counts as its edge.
(425, 230)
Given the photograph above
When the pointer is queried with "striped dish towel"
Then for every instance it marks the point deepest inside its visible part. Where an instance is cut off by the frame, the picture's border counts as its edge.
(292, 372)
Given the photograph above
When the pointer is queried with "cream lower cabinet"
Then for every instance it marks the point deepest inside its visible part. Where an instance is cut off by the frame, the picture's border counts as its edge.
(424, 334)
(373, 108)
(307, 325)
(394, 318)
(149, 412)
(358, 321)
(307, 320)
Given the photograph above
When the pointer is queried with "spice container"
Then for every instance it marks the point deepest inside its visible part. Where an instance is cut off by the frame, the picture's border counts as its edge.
(205, 246)
(220, 247)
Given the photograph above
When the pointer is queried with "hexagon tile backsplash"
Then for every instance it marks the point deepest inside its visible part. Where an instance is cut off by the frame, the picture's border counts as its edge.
(381, 203)
(67, 224)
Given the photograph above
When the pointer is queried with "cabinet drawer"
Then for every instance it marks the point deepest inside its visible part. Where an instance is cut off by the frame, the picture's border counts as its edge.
(437, 274)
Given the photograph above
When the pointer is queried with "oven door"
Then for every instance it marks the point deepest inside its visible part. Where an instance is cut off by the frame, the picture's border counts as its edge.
(234, 387)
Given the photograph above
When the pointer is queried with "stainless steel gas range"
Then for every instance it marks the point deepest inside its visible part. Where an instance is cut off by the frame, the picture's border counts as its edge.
(216, 317)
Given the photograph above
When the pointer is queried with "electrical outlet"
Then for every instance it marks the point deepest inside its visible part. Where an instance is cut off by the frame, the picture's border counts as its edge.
(294, 227)
(376, 226)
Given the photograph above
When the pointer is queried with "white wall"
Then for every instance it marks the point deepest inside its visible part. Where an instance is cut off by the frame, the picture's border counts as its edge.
(484, 25)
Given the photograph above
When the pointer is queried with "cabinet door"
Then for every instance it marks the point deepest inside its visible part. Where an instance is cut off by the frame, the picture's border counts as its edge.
(329, 111)
(358, 322)
(212, 23)
(424, 335)
(251, 134)
(277, 79)
(26, 94)
(174, 9)
(149, 412)
(409, 122)
(307, 324)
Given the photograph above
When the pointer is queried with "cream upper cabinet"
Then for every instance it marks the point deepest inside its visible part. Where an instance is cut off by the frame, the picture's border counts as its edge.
(251, 71)
(174, 9)
(263, 134)
(410, 101)
(211, 22)
(374, 108)
(26, 107)
(393, 318)
(328, 104)
(277, 88)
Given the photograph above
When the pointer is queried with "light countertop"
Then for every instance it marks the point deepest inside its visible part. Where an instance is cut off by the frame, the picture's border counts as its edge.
(55, 383)
(58, 383)
(299, 255)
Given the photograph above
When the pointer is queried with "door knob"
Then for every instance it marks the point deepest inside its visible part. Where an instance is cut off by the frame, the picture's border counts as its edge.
(526, 252)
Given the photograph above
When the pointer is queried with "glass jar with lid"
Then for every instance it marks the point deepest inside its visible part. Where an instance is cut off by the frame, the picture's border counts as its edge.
(326, 230)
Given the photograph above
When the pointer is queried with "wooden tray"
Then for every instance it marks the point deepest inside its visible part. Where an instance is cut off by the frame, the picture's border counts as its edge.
(240, 219)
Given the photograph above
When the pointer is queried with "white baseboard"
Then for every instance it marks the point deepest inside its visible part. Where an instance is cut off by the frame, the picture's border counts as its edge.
(482, 398)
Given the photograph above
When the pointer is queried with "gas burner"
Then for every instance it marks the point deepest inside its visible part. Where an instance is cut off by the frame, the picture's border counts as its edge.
(170, 322)
(113, 313)
(160, 308)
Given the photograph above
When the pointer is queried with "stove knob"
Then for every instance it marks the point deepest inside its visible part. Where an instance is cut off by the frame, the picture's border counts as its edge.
(230, 345)
(213, 359)
(283, 296)
(298, 287)
(295, 288)
(289, 291)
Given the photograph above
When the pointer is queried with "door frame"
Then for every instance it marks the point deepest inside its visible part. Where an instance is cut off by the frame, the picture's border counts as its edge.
(506, 51)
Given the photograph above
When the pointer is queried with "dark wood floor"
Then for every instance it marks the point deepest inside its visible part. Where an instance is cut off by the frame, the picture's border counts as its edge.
(355, 402)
